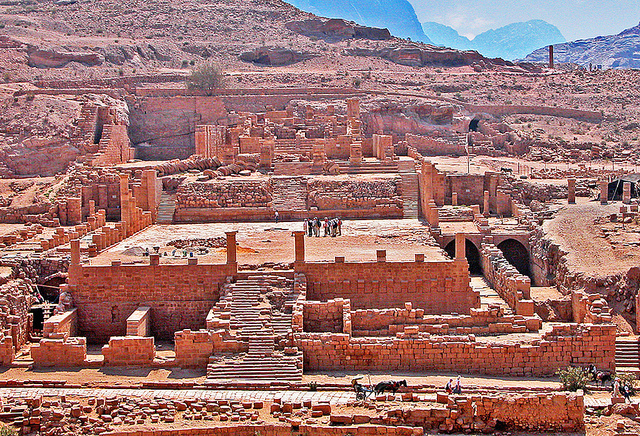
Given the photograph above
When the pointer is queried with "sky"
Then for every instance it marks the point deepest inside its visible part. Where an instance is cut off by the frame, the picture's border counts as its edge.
(576, 19)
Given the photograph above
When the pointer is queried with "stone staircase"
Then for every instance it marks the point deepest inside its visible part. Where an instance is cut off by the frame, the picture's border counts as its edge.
(367, 167)
(289, 194)
(254, 309)
(410, 195)
(166, 208)
(628, 355)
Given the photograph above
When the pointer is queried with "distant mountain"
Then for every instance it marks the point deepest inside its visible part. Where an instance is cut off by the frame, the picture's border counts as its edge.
(445, 36)
(396, 15)
(614, 51)
(513, 41)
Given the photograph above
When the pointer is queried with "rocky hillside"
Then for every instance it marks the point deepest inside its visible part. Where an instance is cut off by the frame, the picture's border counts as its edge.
(513, 41)
(396, 15)
(89, 39)
(614, 51)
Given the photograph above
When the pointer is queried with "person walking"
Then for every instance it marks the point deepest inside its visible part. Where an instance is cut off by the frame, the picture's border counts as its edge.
(277, 216)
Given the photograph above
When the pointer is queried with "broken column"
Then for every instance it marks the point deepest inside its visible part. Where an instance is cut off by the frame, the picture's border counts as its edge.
(571, 191)
(626, 193)
(125, 213)
(75, 252)
(460, 246)
(381, 255)
(454, 199)
(485, 205)
(551, 62)
(299, 246)
(604, 192)
(231, 248)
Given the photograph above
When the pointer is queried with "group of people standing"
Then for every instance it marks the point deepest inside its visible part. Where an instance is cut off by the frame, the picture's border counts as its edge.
(329, 227)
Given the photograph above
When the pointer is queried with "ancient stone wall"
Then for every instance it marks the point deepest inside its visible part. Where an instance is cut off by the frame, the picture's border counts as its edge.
(324, 316)
(436, 287)
(129, 351)
(575, 344)
(68, 352)
(179, 296)
(481, 321)
(436, 146)
(224, 194)
(354, 194)
(512, 286)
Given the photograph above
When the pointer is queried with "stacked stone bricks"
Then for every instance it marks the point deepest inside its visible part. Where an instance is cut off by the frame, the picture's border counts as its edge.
(129, 350)
(224, 194)
(60, 352)
(361, 194)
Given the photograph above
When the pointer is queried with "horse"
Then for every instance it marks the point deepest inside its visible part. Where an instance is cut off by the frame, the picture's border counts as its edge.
(600, 377)
(392, 386)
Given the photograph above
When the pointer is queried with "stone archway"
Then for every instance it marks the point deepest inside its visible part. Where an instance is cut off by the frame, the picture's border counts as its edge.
(516, 254)
(471, 253)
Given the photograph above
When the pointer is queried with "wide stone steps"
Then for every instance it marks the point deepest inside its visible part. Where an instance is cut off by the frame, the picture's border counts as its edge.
(410, 195)
(628, 356)
(253, 323)
(166, 208)
(255, 368)
(368, 168)
(289, 194)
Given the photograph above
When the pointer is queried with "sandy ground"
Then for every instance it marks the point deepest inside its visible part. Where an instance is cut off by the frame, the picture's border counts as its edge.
(270, 242)
(575, 229)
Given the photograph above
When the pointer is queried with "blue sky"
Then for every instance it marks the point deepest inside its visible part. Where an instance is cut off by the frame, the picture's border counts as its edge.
(576, 19)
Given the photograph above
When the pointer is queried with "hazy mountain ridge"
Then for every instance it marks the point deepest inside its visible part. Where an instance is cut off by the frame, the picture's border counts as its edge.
(513, 41)
(612, 51)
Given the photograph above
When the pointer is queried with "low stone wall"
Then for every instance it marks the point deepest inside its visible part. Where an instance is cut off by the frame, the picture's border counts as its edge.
(325, 316)
(354, 194)
(193, 348)
(565, 345)
(483, 321)
(61, 326)
(60, 352)
(512, 286)
(129, 351)
(224, 194)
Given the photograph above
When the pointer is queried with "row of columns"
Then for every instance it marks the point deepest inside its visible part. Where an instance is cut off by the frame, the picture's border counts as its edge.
(604, 191)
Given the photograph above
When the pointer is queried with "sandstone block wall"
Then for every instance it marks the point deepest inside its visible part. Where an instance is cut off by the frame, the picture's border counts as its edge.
(193, 348)
(62, 325)
(60, 352)
(179, 296)
(129, 351)
(390, 322)
(512, 286)
(565, 345)
(138, 323)
(353, 194)
(224, 194)
(324, 316)
(436, 287)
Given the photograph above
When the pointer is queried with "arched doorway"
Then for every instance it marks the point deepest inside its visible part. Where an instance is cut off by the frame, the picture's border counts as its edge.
(516, 254)
(474, 124)
(471, 253)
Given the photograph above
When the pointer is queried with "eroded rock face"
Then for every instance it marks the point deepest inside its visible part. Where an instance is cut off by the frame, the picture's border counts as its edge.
(421, 56)
(274, 56)
(337, 29)
(56, 58)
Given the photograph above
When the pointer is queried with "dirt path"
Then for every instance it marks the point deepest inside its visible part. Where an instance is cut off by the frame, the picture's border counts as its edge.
(575, 231)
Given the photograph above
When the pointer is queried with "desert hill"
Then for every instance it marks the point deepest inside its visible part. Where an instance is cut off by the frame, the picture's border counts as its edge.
(613, 51)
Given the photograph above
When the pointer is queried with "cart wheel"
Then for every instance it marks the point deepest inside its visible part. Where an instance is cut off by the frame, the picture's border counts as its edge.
(359, 396)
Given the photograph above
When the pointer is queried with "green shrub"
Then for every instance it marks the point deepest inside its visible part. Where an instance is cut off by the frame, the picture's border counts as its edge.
(8, 431)
(573, 378)
(206, 77)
